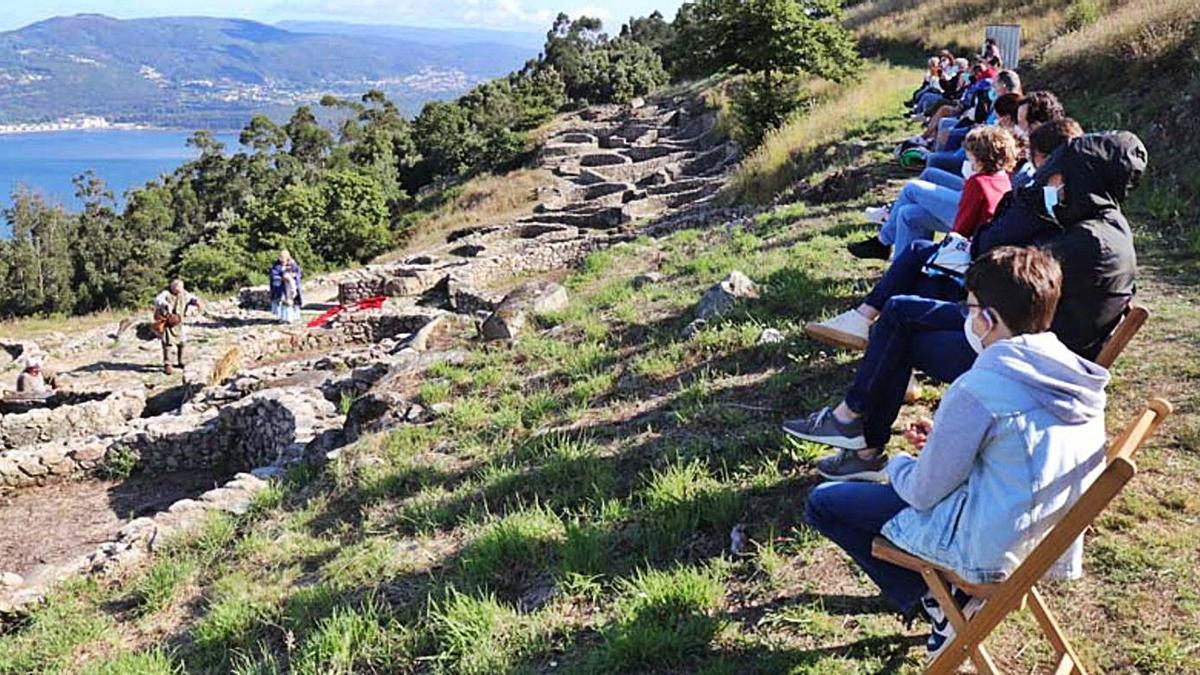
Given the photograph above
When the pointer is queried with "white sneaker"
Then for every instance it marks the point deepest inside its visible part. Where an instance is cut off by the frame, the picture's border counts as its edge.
(848, 329)
(876, 214)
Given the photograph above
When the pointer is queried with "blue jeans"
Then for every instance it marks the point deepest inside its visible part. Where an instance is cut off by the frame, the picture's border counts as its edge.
(911, 332)
(955, 140)
(944, 178)
(851, 515)
(944, 126)
(921, 209)
(926, 101)
(904, 277)
(950, 161)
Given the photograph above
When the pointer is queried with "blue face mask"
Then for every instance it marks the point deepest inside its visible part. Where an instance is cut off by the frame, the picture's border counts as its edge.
(992, 93)
(1050, 197)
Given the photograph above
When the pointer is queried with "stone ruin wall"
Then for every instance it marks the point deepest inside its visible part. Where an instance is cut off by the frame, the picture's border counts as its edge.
(108, 415)
(268, 428)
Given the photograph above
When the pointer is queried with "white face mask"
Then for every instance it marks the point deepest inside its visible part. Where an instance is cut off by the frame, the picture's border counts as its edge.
(974, 340)
(1050, 197)
(968, 169)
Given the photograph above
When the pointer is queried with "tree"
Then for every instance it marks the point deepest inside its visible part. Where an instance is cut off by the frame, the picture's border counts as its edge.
(35, 264)
(309, 141)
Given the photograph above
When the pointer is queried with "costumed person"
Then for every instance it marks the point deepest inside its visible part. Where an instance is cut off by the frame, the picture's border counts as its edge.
(34, 380)
(285, 288)
(170, 308)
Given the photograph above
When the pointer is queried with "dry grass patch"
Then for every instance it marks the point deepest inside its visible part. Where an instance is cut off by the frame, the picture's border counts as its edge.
(481, 200)
(784, 154)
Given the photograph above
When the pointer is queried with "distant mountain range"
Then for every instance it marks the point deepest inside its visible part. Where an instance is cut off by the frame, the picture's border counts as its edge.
(209, 72)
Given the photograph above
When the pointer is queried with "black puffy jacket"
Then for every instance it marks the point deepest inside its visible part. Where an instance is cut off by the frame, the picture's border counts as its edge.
(1094, 244)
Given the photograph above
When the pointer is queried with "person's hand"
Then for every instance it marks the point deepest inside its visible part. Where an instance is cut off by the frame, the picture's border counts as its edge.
(918, 432)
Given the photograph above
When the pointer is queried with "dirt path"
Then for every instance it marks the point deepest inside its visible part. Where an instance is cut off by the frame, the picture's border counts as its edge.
(91, 511)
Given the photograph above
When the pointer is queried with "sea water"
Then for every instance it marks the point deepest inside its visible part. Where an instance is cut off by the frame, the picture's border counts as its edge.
(46, 162)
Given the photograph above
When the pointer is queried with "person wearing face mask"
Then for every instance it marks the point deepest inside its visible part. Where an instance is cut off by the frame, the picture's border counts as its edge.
(1029, 413)
(1094, 246)
(921, 211)
(1021, 218)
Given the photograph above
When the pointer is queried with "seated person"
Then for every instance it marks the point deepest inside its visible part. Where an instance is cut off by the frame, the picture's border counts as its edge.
(1083, 184)
(923, 210)
(1021, 217)
(34, 381)
(1037, 108)
(1028, 414)
(999, 101)
(954, 79)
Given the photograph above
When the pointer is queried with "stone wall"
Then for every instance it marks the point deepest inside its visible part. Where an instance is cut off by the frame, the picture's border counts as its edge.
(108, 415)
(268, 428)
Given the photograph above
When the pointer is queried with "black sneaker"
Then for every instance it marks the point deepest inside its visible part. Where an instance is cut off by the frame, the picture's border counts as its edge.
(942, 632)
(870, 248)
(847, 465)
(823, 427)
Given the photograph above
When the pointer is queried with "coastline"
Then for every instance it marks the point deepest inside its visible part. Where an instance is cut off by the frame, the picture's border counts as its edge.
(57, 127)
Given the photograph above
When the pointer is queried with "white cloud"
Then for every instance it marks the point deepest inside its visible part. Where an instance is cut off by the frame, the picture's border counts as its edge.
(522, 14)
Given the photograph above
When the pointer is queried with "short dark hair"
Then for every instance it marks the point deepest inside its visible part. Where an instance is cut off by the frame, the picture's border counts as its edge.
(1006, 105)
(1043, 107)
(1020, 283)
(1048, 137)
(1010, 79)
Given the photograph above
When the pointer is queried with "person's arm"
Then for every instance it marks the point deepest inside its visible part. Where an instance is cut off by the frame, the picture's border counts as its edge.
(969, 207)
(959, 429)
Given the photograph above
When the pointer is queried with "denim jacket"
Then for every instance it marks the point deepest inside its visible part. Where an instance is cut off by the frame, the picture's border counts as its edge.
(1016, 441)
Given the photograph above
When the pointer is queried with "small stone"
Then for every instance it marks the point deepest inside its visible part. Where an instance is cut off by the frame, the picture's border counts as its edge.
(722, 297)
(697, 325)
(10, 580)
(647, 279)
(440, 409)
(770, 336)
(267, 472)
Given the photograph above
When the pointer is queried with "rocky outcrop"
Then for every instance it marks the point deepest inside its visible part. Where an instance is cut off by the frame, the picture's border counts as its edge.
(722, 297)
(510, 317)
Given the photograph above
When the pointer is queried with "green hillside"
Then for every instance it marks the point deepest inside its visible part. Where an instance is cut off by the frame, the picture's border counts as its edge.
(216, 73)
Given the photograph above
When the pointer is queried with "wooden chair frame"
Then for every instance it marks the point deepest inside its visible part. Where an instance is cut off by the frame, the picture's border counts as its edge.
(1135, 316)
(1019, 589)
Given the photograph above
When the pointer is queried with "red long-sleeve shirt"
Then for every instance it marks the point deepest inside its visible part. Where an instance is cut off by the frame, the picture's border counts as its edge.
(981, 193)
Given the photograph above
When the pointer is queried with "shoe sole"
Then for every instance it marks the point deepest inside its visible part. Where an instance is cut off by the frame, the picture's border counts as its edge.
(840, 442)
(836, 338)
(859, 476)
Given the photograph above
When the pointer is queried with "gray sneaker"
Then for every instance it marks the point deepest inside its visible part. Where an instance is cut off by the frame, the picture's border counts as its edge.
(823, 427)
(847, 465)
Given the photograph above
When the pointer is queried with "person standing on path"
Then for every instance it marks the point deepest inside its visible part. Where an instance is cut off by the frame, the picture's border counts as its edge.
(285, 288)
(170, 308)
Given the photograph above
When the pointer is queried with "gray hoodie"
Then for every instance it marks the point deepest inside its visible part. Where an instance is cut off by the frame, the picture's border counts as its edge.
(1016, 440)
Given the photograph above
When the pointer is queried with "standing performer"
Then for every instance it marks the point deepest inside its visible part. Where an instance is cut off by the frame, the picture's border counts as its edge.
(170, 308)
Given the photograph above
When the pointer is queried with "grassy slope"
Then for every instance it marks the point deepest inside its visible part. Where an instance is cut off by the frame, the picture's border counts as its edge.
(570, 512)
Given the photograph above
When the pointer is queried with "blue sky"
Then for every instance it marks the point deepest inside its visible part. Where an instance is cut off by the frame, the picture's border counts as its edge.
(524, 15)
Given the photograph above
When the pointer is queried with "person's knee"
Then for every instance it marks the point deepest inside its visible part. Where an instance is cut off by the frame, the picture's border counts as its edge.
(820, 508)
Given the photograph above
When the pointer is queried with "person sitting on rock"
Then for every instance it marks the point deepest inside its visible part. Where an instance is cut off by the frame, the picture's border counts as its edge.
(1083, 184)
(34, 380)
(170, 309)
(1016, 440)
(285, 288)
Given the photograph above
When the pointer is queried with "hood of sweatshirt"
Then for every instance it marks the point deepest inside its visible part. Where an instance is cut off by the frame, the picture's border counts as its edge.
(1069, 386)
(1099, 171)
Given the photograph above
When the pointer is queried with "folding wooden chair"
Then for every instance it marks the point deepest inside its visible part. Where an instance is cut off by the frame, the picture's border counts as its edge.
(1019, 589)
(1129, 326)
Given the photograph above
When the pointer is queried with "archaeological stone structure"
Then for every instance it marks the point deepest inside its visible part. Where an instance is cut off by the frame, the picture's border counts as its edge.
(257, 397)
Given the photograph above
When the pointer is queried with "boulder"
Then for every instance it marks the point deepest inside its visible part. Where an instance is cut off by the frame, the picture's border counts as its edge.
(718, 300)
(510, 317)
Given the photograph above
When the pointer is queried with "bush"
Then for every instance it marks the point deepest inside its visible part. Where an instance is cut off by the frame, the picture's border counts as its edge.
(1083, 13)
(759, 108)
